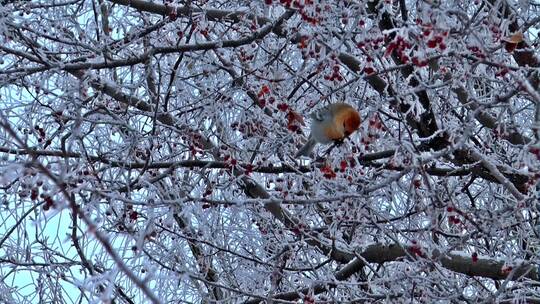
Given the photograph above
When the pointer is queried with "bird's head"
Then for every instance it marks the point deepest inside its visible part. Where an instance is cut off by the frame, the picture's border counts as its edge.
(351, 121)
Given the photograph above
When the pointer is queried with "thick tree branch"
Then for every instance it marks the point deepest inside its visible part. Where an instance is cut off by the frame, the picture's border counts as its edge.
(455, 261)
(209, 13)
(366, 160)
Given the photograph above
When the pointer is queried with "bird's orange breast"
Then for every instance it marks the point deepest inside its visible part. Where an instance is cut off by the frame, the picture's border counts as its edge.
(334, 132)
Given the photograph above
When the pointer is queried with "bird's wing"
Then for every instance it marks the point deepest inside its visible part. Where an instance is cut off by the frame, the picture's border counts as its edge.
(317, 115)
(322, 113)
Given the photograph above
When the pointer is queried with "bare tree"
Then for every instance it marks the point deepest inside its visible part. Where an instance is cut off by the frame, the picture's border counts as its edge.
(147, 151)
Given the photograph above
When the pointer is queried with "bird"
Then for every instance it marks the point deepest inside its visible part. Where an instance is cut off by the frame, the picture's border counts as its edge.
(332, 123)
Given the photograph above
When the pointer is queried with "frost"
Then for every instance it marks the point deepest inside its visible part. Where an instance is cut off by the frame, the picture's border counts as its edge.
(156, 164)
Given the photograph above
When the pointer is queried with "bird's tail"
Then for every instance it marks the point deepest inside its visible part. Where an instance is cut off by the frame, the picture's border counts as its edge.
(307, 148)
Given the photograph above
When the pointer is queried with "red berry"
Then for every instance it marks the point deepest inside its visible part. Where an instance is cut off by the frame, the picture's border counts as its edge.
(343, 165)
(133, 215)
(432, 43)
(510, 47)
(49, 201)
(34, 194)
(282, 107)
(369, 70)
